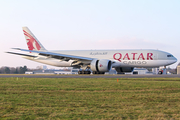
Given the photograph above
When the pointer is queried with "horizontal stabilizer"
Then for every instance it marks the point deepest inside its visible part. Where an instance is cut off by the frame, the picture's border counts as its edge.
(21, 54)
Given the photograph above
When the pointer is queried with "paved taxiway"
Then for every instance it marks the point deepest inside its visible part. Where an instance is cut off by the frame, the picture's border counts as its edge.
(90, 76)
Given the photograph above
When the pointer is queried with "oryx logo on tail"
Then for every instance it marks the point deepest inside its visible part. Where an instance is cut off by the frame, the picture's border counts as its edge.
(32, 43)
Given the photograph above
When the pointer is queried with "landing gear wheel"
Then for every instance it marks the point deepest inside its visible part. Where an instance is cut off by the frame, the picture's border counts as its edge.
(102, 72)
(95, 72)
(79, 72)
(84, 72)
(87, 72)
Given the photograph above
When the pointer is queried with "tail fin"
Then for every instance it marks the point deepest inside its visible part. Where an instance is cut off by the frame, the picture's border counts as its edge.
(32, 42)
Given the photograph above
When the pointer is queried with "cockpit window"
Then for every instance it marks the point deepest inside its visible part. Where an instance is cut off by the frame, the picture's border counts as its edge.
(169, 55)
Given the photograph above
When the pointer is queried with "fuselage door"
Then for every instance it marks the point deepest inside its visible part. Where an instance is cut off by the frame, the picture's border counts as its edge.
(155, 56)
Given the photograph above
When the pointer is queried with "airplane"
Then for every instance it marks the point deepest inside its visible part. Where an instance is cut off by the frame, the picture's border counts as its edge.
(95, 61)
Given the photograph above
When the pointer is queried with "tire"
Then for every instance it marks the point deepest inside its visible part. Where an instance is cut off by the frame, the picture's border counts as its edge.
(87, 72)
(79, 72)
(94, 72)
(102, 72)
(83, 72)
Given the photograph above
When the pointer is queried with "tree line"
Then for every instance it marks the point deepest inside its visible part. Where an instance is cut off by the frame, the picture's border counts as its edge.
(13, 70)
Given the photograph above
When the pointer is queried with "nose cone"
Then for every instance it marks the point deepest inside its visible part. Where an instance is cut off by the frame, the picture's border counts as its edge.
(171, 59)
(175, 60)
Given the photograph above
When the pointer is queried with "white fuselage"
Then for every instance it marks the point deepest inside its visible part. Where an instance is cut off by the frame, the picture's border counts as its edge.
(120, 58)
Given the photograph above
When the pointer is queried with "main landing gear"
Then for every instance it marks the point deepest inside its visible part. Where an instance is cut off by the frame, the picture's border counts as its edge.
(94, 72)
(84, 72)
(89, 72)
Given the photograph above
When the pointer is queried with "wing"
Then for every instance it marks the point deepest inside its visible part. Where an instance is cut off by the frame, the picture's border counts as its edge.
(63, 57)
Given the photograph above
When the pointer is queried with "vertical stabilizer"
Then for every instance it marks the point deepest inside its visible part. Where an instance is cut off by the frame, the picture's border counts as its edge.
(32, 42)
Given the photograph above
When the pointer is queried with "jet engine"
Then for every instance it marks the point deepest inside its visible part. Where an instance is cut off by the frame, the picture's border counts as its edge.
(102, 65)
(124, 69)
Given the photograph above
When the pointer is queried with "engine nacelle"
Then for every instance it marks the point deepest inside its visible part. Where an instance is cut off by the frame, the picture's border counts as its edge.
(124, 69)
(102, 65)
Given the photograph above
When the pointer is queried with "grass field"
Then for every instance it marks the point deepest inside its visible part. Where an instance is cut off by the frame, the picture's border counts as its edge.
(91, 98)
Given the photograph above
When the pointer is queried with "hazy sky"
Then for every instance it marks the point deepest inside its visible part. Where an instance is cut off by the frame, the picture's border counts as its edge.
(89, 24)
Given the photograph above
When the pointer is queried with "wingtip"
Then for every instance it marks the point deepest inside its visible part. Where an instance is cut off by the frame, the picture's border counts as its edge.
(9, 52)
(16, 48)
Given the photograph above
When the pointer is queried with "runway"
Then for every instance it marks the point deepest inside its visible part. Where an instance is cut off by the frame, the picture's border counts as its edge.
(88, 76)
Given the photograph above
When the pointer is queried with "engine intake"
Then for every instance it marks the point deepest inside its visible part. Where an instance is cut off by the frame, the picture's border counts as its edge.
(102, 65)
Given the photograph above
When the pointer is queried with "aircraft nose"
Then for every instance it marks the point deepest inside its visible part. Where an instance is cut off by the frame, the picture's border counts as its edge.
(174, 59)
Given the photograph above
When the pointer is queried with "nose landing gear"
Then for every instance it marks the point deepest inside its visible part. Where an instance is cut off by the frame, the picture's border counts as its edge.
(162, 71)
